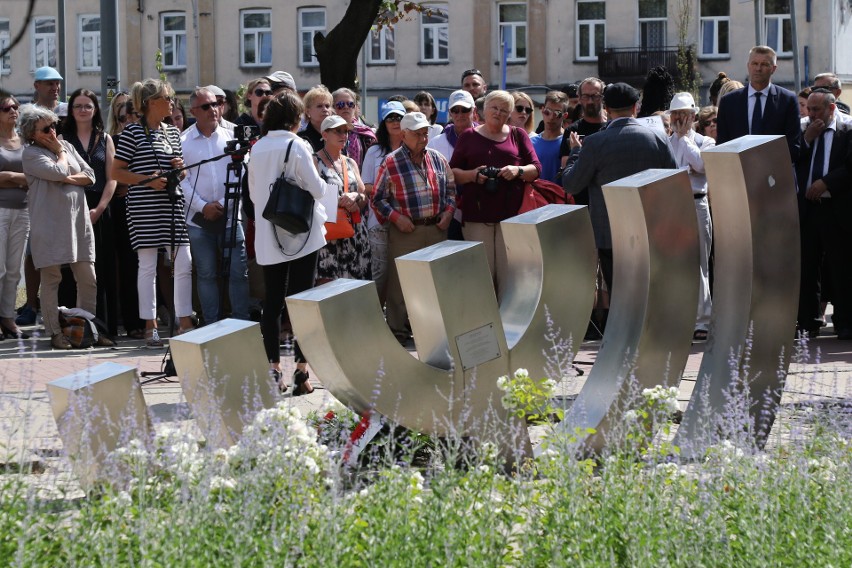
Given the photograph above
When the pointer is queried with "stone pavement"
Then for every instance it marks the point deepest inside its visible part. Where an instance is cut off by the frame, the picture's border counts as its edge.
(29, 438)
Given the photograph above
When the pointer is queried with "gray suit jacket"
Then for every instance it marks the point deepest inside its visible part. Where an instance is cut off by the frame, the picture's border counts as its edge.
(624, 148)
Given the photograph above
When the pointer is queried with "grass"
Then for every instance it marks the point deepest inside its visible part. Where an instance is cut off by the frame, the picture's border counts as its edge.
(279, 497)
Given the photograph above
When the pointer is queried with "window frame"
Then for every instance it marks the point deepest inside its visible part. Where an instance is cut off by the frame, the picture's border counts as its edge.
(777, 20)
(716, 21)
(82, 36)
(651, 20)
(257, 34)
(592, 24)
(512, 56)
(310, 61)
(51, 40)
(175, 36)
(435, 27)
(381, 35)
(5, 40)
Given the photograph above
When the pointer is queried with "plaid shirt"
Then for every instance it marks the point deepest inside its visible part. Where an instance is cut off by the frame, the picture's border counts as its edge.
(418, 193)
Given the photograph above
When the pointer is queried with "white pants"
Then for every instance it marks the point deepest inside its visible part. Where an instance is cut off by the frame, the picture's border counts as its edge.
(146, 282)
(705, 239)
(14, 228)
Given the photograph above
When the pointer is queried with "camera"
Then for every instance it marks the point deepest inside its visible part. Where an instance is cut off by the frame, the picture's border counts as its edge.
(245, 137)
(490, 174)
(173, 189)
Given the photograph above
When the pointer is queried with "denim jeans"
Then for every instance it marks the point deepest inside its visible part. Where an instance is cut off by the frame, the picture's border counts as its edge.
(206, 247)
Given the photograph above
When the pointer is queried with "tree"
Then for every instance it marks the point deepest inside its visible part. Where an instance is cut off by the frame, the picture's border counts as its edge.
(337, 52)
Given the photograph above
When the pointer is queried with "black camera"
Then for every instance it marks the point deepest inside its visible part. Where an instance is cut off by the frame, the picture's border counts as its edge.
(490, 174)
(245, 137)
(173, 189)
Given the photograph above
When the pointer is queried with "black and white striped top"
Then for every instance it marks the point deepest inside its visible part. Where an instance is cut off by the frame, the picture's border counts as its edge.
(150, 215)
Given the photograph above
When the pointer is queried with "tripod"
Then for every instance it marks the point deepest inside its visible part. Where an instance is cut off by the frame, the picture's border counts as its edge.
(232, 200)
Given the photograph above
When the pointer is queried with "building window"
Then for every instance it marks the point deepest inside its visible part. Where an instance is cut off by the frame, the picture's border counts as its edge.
(382, 48)
(311, 21)
(173, 40)
(44, 42)
(5, 40)
(89, 56)
(591, 29)
(435, 35)
(652, 24)
(256, 31)
(714, 28)
(512, 25)
(778, 26)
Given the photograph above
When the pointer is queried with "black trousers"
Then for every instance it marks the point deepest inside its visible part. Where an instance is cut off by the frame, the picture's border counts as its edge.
(282, 280)
(128, 265)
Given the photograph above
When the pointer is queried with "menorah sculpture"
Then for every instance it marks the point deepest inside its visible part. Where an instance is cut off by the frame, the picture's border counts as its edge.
(464, 344)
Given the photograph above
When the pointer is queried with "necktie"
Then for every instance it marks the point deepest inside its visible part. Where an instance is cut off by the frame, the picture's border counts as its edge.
(819, 158)
(757, 115)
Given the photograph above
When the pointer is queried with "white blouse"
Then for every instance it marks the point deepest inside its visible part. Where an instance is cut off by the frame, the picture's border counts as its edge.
(266, 164)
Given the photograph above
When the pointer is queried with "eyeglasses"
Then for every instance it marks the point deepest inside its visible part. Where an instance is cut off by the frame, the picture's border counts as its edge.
(207, 106)
(9, 108)
(393, 118)
(459, 110)
(262, 92)
(48, 128)
(523, 109)
(498, 110)
(587, 97)
(84, 107)
(548, 112)
(340, 105)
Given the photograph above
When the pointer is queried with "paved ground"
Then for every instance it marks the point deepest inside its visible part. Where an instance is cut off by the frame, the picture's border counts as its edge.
(28, 434)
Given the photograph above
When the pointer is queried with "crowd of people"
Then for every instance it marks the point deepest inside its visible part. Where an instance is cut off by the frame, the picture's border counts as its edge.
(137, 201)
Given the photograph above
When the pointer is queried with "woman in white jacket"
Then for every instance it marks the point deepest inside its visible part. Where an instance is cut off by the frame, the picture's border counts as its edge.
(686, 147)
(289, 261)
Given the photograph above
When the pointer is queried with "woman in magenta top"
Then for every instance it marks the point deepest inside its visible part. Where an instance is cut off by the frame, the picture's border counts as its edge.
(485, 201)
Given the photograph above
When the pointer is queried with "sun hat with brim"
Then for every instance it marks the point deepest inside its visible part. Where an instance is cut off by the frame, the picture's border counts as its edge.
(414, 121)
(392, 107)
(334, 121)
(47, 74)
(683, 101)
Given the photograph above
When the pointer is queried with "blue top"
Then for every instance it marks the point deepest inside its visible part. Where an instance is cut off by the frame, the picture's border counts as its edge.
(548, 155)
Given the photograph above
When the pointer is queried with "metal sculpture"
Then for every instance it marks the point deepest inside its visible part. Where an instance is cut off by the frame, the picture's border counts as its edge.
(655, 291)
(755, 294)
(224, 375)
(98, 410)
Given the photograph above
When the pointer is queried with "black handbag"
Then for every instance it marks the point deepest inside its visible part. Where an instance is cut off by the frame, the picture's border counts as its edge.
(289, 206)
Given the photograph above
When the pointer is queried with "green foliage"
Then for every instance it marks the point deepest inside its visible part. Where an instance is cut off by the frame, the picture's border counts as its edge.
(529, 398)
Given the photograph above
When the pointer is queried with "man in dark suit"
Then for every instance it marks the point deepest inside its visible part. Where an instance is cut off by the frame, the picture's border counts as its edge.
(623, 148)
(760, 107)
(825, 212)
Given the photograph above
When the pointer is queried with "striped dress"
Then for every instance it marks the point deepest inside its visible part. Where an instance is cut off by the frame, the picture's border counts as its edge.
(150, 214)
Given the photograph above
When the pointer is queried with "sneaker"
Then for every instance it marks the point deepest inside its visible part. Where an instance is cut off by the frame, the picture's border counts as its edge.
(152, 339)
(27, 316)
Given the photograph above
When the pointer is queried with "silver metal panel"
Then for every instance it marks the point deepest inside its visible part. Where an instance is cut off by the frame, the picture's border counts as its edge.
(552, 262)
(654, 296)
(342, 332)
(224, 375)
(756, 287)
(97, 411)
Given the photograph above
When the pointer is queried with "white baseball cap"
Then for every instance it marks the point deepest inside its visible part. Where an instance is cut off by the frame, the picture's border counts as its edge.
(414, 121)
(334, 121)
(460, 98)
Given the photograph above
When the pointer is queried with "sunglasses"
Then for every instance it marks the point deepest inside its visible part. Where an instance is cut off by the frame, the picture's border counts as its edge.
(9, 108)
(340, 105)
(262, 92)
(207, 106)
(48, 128)
(393, 118)
(711, 121)
(549, 112)
(459, 110)
(523, 109)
